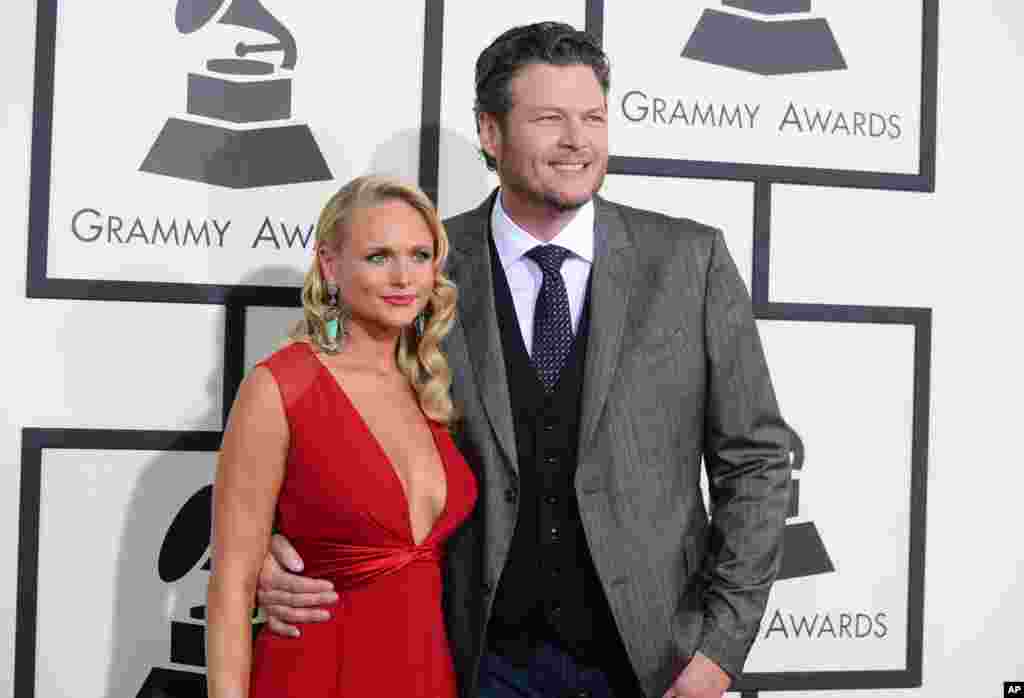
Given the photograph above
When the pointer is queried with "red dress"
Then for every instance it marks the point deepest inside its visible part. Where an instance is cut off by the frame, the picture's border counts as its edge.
(343, 507)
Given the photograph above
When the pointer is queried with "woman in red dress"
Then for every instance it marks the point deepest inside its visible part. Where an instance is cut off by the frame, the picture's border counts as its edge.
(341, 440)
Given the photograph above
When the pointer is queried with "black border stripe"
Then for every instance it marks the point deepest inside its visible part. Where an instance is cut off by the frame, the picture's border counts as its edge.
(929, 91)
(28, 569)
(33, 443)
(430, 120)
(825, 680)
(919, 493)
(595, 19)
(36, 285)
(780, 174)
(760, 268)
(812, 312)
(147, 292)
(235, 317)
(35, 439)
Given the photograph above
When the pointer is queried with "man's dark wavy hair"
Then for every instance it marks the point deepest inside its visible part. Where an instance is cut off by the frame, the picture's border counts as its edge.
(554, 43)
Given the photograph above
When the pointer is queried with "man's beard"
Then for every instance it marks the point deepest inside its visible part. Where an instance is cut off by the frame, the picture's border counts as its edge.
(521, 186)
(565, 206)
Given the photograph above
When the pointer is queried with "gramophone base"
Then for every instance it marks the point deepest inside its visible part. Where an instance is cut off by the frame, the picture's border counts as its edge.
(240, 159)
(216, 97)
(803, 553)
(764, 47)
(173, 683)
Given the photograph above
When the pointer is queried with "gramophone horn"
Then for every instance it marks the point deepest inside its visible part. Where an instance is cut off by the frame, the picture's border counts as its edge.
(190, 15)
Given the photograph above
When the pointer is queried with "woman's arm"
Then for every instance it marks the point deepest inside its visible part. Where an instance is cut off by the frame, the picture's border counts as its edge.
(249, 474)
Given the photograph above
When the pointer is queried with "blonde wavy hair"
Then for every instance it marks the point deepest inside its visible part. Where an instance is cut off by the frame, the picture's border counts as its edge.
(418, 354)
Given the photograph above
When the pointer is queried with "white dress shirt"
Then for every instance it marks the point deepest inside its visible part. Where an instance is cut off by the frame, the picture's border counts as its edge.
(524, 275)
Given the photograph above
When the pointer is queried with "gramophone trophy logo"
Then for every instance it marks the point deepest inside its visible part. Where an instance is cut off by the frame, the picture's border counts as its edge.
(186, 543)
(768, 37)
(231, 144)
(803, 553)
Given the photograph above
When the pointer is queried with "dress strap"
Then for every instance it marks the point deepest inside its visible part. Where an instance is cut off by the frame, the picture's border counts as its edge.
(295, 368)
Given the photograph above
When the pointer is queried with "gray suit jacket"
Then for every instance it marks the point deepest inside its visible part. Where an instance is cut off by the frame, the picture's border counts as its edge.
(674, 373)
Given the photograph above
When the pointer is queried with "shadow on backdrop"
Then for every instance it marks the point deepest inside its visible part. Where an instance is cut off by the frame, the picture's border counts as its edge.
(158, 624)
(463, 181)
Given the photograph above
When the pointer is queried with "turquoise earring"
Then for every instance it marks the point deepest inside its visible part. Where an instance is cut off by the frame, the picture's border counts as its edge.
(332, 319)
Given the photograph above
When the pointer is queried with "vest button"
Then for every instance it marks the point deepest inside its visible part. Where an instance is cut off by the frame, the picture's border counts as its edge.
(551, 499)
(551, 460)
(510, 495)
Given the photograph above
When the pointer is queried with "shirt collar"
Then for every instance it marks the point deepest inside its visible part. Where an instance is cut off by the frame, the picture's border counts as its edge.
(512, 242)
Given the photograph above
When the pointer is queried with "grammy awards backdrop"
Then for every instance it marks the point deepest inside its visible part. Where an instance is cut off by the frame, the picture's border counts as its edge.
(766, 87)
(181, 151)
(232, 125)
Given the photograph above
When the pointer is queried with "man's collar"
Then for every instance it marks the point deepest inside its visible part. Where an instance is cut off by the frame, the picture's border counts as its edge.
(512, 242)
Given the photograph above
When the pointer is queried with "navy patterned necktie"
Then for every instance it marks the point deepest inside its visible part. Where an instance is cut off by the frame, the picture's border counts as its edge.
(552, 324)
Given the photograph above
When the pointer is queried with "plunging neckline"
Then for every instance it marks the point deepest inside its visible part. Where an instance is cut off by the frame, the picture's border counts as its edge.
(384, 454)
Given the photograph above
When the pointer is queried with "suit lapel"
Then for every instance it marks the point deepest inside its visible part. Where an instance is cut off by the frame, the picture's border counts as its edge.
(479, 320)
(611, 283)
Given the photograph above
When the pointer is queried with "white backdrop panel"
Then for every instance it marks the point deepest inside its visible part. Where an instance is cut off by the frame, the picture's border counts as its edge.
(464, 180)
(115, 89)
(847, 389)
(880, 251)
(728, 206)
(266, 329)
(103, 612)
(119, 366)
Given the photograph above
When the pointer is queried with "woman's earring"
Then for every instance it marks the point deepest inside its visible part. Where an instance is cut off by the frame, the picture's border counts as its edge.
(331, 325)
(334, 320)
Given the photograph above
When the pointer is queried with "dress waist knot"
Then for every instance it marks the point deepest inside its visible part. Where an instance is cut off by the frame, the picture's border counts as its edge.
(350, 566)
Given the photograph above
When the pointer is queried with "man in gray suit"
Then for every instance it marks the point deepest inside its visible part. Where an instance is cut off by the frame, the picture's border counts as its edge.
(601, 353)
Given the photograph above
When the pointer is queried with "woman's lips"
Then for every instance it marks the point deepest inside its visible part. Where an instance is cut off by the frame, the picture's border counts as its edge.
(400, 300)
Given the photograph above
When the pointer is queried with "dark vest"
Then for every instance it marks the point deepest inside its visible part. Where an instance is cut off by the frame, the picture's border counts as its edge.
(549, 590)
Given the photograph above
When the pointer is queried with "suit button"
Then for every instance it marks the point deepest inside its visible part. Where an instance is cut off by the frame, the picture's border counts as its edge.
(510, 495)
(551, 499)
(555, 533)
(551, 460)
(549, 426)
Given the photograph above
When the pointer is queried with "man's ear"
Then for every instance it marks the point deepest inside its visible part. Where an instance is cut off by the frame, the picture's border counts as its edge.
(490, 134)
